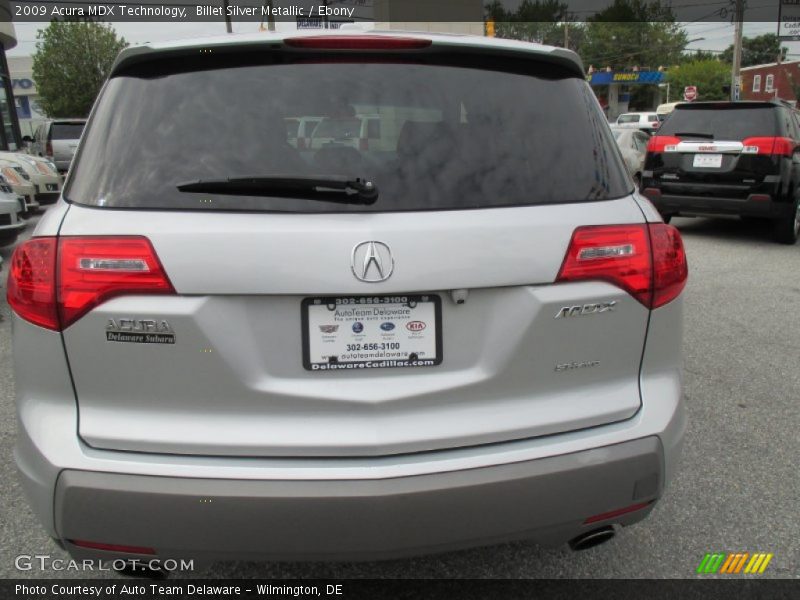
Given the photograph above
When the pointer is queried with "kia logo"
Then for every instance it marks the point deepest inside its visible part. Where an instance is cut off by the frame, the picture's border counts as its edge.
(415, 326)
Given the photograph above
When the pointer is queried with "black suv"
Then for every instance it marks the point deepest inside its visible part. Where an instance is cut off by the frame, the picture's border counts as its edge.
(728, 158)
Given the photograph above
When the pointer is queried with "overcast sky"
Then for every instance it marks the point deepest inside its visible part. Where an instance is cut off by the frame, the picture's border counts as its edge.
(717, 36)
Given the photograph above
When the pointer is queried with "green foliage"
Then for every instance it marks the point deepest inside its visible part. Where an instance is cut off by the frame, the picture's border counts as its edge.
(710, 77)
(538, 21)
(633, 33)
(757, 50)
(71, 62)
(698, 55)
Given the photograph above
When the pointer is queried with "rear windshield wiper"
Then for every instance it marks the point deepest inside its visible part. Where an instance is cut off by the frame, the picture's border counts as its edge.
(333, 188)
(709, 136)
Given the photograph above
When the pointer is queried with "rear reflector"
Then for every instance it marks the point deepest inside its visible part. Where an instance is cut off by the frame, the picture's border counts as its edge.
(647, 261)
(663, 143)
(113, 547)
(53, 283)
(617, 513)
(357, 42)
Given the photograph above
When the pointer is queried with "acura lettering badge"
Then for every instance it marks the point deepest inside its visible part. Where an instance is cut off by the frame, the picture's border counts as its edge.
(372, 262)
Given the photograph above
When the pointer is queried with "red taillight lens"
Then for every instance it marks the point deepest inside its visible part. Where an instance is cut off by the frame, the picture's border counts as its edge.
(357, 42)
(95, 269)
(32, 282)
(619, 254)
(48, 149)
(113, 547)
(647, 261)
(779, 146)
(363, 144)
(659, 143)
(90, 271)
(670, 269)
(301, 143)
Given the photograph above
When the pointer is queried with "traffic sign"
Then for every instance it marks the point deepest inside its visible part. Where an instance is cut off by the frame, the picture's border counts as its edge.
(690, 93)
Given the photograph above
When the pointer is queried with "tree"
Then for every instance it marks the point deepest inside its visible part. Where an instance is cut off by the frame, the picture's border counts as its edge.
(540, 21)
(71, 62)
(633, 33)
(710, 77)
(757, 50)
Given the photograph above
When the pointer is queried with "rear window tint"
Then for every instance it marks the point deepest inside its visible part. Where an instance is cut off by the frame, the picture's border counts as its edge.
(628, 119)
(451, 136)
(66, 131)
(729, 123)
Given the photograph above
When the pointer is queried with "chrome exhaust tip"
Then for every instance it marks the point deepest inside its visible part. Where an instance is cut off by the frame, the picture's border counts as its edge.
(592, 538)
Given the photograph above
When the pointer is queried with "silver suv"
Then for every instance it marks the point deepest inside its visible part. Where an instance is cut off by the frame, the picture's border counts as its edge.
(225, 347)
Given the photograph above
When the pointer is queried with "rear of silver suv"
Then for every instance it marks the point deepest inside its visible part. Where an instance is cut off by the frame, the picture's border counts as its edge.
(227, 346)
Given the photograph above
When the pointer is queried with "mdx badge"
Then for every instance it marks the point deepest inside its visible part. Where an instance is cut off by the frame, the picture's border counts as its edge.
(586, 309)
(372, 261)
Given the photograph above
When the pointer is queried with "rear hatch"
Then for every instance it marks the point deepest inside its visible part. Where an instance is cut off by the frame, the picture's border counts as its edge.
(308, 324)
(64, 138)
(725, 150)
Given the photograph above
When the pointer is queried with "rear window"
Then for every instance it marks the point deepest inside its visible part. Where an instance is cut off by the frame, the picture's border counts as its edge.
(340, 129)
(451, 135)
(628, 119)
(66, 131)
(724, 123)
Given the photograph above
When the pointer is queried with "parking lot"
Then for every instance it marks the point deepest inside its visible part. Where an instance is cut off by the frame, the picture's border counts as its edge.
(737, 488)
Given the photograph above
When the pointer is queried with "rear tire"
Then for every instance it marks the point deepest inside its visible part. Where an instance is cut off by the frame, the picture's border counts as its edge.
(787, 229)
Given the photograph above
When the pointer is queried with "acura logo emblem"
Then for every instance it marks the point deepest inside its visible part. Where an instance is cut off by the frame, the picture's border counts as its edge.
(372, 262)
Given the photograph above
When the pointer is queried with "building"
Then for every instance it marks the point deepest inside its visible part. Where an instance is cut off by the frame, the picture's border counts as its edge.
(10, 138)
(773, 80)
(25, 94)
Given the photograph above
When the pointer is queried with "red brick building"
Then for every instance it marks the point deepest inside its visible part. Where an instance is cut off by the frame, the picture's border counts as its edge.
(773, 80)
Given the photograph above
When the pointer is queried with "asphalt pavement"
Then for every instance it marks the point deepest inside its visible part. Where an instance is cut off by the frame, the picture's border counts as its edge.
(737, 490)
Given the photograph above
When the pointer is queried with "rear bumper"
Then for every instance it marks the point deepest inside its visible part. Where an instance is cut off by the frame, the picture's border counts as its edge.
(547, 500)
(754, 205)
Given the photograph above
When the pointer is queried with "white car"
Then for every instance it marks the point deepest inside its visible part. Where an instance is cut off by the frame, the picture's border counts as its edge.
(646, 121)
(10, 222)
(42, 173)
(13, 174)
(633, 146)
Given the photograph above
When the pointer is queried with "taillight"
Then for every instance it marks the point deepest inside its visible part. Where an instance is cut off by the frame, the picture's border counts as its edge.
(48, 148)
(363, 144)
(32, 282)
(301, 143)
(660, 143)
(670, 269)
(779, 146)
(655, 124)
(647, 261)
(357, 42)
(53, 284)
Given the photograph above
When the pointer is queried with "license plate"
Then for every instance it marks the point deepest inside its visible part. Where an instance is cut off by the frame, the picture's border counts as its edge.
(708, 161)
(369, 332)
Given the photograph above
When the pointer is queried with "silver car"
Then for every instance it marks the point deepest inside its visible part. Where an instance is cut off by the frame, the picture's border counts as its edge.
(56, 140)
(340, 355)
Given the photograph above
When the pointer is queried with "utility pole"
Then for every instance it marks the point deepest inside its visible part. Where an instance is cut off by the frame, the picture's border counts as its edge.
(566, 35)
(325, 16)
(227, 16)
(737, 47)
